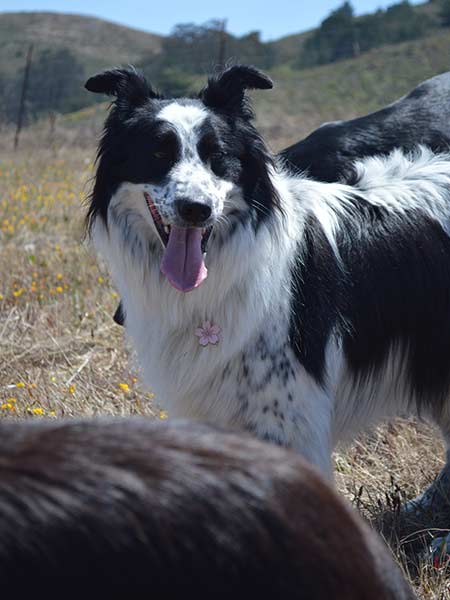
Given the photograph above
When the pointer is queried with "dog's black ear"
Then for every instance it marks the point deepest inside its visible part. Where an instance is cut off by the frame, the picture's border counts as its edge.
(127, 84)
(226, 91)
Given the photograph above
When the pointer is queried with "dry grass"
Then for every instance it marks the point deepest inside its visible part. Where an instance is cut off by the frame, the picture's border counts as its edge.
(378, 473)
(62, 355)
(56, 333)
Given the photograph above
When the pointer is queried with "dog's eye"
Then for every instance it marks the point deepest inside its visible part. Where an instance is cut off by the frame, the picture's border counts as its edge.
(160, 155)
(217, 164)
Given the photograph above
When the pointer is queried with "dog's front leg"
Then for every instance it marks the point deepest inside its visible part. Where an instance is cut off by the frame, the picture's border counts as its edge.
(297, 413)
(313, 439)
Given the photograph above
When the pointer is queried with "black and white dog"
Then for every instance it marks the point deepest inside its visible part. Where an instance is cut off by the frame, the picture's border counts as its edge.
(420, 117)
(314, 309)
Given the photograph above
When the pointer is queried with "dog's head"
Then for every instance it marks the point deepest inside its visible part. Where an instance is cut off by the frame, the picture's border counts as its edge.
(196, 166)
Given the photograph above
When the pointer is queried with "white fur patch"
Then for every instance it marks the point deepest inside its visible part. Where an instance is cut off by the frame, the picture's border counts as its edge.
(400, 182)
(183, 117)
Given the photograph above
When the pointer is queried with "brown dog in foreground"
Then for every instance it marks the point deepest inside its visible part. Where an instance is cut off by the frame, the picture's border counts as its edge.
(177, 510)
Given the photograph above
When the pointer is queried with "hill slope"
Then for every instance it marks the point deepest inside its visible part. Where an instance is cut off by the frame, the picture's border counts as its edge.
(302, 100)
(94, 42)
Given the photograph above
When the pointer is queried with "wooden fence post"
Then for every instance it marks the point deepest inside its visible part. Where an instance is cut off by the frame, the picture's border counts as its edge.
(23, 94)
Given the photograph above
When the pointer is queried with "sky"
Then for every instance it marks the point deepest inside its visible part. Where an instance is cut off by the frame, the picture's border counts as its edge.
(274, 19)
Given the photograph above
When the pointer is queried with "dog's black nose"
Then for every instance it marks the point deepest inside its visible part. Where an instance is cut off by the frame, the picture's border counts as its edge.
(193, 212)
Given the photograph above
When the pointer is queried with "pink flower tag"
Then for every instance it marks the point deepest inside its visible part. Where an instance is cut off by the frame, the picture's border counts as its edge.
(208, 334)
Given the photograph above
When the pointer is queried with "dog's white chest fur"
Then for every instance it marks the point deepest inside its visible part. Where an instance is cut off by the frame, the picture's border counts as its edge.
(251, 377)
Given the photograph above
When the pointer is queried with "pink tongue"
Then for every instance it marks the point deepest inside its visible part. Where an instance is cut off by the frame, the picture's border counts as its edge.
(182, 262)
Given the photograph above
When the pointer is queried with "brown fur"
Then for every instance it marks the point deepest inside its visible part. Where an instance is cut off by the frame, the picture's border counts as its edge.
(178, 509)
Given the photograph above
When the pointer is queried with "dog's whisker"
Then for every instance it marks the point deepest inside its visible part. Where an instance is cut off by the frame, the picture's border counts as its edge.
(260, 206)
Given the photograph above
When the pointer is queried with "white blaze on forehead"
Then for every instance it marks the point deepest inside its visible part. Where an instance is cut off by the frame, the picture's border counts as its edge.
(183, 117)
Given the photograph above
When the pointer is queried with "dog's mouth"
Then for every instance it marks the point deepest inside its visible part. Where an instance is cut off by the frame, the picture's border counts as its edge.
(184, 247)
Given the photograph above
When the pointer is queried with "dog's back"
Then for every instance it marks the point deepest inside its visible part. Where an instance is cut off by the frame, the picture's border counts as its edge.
(177, 510)
(421, 117)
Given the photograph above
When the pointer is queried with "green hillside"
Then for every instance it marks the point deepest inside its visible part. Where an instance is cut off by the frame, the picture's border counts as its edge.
(94, 42)
(287, 48)
(300, 101)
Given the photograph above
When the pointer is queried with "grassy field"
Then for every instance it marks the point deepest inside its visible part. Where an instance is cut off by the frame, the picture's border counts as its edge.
(62, 355)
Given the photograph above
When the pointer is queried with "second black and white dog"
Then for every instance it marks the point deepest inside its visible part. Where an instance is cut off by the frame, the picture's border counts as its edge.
(420, 117)
(299, 310)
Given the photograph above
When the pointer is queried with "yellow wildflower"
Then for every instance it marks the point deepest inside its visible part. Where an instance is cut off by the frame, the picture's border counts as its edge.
(163, 414)
(124, 387)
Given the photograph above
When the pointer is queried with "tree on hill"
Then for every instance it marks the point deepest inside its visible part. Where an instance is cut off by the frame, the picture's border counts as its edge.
(401, 22)
(192, 50)
(56, 83)
(335, 38)
(342, 35)
(444, 12)
(370, 31)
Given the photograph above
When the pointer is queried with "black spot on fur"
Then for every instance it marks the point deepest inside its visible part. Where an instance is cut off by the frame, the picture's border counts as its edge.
(245, 370)
(317, 299)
